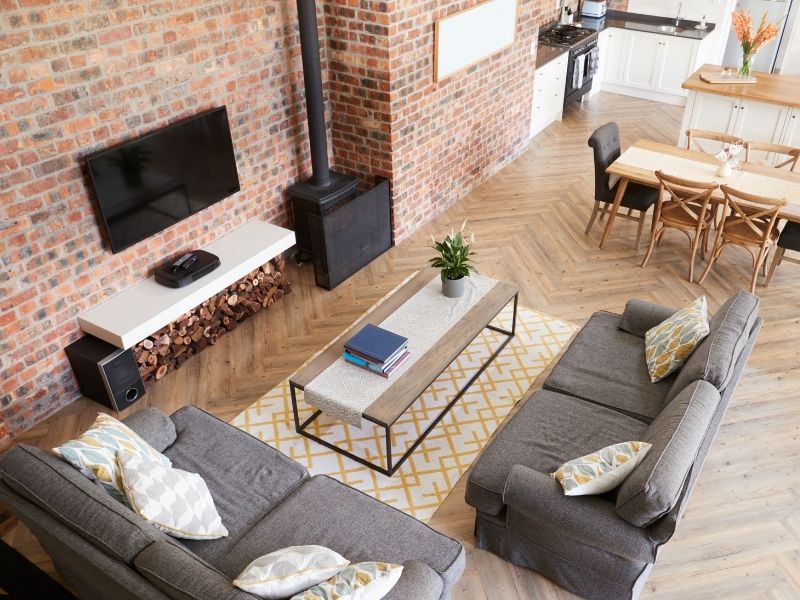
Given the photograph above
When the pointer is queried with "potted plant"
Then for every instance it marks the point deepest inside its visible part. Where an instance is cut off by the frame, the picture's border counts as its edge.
(454, 262)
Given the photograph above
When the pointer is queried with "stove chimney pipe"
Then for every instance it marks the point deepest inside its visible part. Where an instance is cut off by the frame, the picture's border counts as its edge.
(315, 107)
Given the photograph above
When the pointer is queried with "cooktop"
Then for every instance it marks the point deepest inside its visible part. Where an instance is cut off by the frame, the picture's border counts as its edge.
(565, 35)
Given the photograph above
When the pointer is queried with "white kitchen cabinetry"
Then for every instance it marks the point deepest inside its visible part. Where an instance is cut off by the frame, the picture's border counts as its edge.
(548, 93)
(792, 135)
(647, 65)
(748, 119)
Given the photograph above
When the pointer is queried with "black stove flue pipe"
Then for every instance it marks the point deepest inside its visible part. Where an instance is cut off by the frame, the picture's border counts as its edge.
(315, 107)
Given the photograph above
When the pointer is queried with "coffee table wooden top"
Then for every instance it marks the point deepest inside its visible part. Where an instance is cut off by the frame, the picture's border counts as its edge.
(409, 386)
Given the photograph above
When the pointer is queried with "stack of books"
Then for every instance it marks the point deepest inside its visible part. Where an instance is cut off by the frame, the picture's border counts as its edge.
(376, 350)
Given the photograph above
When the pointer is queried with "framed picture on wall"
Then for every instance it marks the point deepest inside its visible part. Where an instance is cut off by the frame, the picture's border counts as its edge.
(469, 36)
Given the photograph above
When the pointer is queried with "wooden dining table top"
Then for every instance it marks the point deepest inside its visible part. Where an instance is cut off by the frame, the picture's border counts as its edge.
(789, 181)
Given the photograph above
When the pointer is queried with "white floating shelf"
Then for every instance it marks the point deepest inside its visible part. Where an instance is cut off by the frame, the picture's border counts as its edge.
(135, 313)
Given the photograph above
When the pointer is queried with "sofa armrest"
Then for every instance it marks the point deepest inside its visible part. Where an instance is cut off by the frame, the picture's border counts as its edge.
(182, 575)
(156, 428)
(591, 519)
(418, 581)
(640, 315)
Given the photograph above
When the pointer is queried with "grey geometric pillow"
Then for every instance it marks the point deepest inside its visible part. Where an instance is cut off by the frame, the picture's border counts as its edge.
(175, 501)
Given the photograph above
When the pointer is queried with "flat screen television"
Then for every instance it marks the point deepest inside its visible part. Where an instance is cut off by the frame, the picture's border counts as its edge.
(154, 181)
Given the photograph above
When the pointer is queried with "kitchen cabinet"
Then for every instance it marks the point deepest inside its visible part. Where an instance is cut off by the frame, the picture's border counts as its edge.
(548, 93)
(792, 134)
(748, 119)
(647, 65)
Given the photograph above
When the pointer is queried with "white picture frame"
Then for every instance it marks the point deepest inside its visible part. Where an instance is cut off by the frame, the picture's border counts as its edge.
(469, 36)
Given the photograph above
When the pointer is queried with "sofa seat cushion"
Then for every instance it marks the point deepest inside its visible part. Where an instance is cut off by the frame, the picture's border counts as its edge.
(246, 477)
(326, 512)
(714, 360)
(547, 430)
(607, 366)
(58, 488)
(677, 434)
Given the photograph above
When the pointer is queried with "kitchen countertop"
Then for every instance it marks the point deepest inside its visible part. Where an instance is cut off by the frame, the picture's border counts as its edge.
(770, 87)
(621, 19)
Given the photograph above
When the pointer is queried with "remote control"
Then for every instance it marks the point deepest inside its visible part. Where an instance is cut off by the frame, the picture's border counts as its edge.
(182, 260)
(187, 264)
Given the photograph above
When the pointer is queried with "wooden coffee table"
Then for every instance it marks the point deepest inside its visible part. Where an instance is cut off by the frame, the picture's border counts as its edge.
(409, 386)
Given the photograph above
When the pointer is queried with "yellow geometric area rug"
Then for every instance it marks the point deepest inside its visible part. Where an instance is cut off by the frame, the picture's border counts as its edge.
(430, 473)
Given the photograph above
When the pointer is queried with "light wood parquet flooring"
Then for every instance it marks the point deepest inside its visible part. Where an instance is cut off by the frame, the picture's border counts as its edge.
(740, 537)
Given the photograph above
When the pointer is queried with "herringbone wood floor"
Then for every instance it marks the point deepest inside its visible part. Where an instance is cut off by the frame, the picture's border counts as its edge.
(740, 537)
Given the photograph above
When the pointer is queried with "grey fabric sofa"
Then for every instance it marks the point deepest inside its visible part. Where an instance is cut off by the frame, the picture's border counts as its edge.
(266, 500)
(603, 547)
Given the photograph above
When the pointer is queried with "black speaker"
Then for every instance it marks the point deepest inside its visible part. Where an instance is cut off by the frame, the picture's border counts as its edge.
(105, 373)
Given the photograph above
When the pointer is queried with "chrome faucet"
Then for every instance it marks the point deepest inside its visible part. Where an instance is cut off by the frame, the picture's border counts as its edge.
(678, 16)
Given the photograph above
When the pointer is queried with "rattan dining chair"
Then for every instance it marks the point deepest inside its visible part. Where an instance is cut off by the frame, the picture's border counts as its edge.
(748, 221)
(785, 156)
(687, 210)
(693, 137)
(605, 145)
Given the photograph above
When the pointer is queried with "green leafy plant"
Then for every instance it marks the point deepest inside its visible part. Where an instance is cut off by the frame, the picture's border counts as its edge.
(454, 254)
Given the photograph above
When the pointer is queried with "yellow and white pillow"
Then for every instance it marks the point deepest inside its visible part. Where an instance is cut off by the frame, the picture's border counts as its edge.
(668, 345)
(362, 581)
(600, 471)
(285, 572)
(94, 453)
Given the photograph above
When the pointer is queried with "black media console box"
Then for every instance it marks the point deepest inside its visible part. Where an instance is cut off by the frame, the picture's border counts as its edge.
(174, 276)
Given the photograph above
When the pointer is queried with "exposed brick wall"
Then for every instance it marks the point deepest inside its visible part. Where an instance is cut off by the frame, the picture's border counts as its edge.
(76, 76)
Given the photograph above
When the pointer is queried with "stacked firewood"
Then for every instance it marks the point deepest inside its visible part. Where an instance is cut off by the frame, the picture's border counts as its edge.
(169, 347)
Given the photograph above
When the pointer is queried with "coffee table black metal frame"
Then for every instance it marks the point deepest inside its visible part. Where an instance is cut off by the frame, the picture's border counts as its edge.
(391, 468)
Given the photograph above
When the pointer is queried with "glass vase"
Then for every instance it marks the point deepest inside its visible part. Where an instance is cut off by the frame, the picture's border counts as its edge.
(744, 65)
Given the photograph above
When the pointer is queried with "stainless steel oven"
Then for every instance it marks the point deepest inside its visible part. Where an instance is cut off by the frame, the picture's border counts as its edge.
(582, 67)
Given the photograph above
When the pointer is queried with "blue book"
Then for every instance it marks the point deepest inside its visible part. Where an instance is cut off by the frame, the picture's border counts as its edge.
(376, 344)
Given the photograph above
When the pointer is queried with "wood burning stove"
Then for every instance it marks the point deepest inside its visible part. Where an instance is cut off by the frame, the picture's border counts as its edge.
(336, 227)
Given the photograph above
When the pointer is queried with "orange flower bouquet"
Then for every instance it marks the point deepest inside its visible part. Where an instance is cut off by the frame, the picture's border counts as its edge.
(752, 42)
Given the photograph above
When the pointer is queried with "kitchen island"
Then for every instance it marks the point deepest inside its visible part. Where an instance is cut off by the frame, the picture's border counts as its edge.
(765, 111)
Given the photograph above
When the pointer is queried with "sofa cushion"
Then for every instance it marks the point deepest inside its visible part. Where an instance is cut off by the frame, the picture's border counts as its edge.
(182, 575)
(655, 485)
(246, 477)
(715, 358)
(53, 485)
(547, 430)
(360, 529)
(640, 315)
(155, 428)
(668, 345)
(606, 365)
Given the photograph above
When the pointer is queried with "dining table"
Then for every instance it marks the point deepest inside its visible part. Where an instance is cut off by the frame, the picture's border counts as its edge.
(640, 162)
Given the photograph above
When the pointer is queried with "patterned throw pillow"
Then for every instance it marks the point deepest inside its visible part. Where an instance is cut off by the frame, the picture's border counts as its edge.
(285, 572)
(94, 453)
(362, 581)
(668, 345)
(175, 501)
(600, 471)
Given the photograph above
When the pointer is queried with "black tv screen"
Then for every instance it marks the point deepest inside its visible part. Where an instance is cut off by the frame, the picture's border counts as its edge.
(152, 182)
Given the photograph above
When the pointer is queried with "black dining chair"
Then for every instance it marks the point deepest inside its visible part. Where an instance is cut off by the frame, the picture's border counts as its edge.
(605, 144)
(789, 240)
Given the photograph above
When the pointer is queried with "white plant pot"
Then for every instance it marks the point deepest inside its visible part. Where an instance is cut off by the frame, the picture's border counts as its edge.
(453, 288)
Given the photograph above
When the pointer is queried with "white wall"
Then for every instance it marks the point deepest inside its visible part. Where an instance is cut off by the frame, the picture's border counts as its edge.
(716, 11)
(789, 56)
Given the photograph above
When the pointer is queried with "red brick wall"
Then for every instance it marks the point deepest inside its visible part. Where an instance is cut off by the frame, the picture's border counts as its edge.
(76, 76)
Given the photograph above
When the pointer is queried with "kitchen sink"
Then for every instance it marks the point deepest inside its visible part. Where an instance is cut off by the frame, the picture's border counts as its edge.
(670, 29)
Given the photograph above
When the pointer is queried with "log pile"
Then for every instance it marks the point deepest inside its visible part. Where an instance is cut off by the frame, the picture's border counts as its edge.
(169, 347)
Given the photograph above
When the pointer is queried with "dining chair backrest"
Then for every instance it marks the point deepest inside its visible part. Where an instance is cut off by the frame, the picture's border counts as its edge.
(714, 141)
(757, 214)
(605, 145)
(687, 195)
(784, 156)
